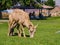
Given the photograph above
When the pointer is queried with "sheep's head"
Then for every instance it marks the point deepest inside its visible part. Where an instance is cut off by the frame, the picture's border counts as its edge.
(32, 30)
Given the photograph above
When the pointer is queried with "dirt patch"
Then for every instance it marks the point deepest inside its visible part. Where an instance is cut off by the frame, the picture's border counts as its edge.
(1, 23)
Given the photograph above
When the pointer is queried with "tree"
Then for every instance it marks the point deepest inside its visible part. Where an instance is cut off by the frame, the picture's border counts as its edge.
(8, 3)
(21, 2)
(50, 3)
(4, 4)
(26, 2)
(36, 4)
(29, 3)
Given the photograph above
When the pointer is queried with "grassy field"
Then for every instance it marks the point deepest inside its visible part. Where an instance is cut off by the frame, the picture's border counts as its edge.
(47, 33)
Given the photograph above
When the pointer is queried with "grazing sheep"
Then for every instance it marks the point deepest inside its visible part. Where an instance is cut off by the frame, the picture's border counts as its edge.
(22, 18)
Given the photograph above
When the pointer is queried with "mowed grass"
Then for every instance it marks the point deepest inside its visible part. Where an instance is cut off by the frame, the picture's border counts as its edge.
(46, 33)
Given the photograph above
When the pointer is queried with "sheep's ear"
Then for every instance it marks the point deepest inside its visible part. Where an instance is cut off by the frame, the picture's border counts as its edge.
(36, 26)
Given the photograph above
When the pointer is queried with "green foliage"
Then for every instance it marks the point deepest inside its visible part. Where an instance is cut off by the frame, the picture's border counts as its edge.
(8, 3)
(21, 2)
(50, 3)
(5, 4)
(37, 5)
(27, 2)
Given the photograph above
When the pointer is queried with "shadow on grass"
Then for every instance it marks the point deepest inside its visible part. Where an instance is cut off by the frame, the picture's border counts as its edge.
(16, 34)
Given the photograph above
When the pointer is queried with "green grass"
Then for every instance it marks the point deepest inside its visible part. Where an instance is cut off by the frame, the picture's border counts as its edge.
(45, 34)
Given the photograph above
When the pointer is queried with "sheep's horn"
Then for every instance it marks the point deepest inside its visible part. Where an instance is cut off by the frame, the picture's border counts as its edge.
(36, 25)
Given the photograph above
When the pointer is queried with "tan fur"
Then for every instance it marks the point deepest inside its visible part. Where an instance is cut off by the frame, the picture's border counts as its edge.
(22, 18)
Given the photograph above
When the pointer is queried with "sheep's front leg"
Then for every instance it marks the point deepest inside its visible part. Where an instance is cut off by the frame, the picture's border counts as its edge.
(11, 28)
(18, 30)
(22, 28)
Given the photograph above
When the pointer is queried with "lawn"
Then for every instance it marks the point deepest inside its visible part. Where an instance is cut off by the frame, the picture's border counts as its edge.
(47, 33)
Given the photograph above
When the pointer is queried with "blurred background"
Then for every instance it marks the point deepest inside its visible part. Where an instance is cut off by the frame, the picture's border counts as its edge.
(37, 9)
